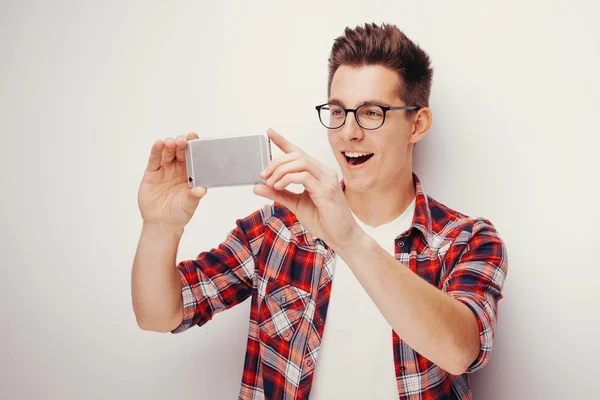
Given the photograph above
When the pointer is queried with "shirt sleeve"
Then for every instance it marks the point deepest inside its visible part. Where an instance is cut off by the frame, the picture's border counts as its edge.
(222, 277)
(477, 279)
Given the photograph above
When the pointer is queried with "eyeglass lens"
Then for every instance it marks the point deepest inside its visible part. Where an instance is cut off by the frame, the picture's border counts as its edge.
(369, 116)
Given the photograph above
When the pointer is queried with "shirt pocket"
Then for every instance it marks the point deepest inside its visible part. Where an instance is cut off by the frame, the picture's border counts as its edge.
(282, 309)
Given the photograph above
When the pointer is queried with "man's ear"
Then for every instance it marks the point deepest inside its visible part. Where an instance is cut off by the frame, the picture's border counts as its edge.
(421, 124)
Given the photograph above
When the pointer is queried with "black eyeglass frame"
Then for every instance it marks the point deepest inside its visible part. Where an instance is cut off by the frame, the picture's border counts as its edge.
(354, 110)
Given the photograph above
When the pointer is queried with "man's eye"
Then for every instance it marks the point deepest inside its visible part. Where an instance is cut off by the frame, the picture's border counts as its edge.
(336, 113)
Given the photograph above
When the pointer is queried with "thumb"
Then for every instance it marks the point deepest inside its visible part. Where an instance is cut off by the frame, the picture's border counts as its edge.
(284, 197)
(192, 198)
(198, 192)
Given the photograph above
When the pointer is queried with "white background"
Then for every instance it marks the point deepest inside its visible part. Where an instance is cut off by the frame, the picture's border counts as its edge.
(87, 87)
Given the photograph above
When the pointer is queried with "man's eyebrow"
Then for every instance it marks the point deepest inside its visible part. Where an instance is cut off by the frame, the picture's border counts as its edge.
(334, 100)
(370, 101)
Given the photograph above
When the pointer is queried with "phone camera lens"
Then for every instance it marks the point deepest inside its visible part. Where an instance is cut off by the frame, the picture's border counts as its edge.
(190, 179)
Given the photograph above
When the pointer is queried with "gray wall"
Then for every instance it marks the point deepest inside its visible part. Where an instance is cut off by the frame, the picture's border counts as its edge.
(87, 87)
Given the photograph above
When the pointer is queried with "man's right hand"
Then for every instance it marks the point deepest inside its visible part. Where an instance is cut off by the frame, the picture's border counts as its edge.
(164, 198)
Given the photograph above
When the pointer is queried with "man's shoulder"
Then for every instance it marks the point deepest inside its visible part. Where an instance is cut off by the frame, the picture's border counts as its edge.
(450, 223)
(276, 211)
(275, 216)
(263, 215)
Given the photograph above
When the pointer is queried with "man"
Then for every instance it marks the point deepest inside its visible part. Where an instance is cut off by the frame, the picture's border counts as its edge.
(364, 288)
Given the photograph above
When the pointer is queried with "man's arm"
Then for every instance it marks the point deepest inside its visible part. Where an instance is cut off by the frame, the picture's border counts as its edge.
(170, 297)
(155, 281)
(224, 276)
(439, 327)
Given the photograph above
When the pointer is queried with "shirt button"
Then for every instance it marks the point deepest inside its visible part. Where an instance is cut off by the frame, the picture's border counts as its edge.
(400, 243)
(319, 321)
(309, 362)
(402, 368)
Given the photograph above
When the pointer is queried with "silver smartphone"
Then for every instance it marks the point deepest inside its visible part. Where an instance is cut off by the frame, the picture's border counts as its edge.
(227, 161)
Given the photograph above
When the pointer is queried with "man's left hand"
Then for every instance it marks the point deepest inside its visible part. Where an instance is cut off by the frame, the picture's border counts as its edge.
(322, 208)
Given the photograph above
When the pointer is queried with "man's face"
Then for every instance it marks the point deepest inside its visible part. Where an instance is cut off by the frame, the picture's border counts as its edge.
(389, 144)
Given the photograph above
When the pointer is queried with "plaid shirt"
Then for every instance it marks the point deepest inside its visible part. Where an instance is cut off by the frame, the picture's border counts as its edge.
(288, 273)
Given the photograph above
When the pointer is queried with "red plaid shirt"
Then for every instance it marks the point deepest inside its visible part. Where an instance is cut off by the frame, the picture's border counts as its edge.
(270, 257)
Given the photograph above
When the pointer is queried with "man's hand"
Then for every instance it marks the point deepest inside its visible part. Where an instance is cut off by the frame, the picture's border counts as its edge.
(322, 208)
(164, 198)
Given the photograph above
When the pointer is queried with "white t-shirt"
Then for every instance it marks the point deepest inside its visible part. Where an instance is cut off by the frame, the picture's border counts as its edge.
(356, 359)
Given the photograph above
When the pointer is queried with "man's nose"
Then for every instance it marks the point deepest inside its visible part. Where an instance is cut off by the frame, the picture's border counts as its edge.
(351, 130)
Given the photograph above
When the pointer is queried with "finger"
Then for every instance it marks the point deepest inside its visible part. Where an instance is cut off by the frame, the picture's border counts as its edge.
(180, 153)
(299, 165)
(276, 162)
(281, 142)
(285, 197)
(302, 178)
(155, 156)
(180, 148)
(192, 136)
(168, 153)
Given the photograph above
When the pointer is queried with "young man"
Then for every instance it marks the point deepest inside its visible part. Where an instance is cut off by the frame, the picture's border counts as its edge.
(360, 288)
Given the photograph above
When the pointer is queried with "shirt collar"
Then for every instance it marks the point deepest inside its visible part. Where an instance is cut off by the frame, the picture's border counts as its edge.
(422, 216)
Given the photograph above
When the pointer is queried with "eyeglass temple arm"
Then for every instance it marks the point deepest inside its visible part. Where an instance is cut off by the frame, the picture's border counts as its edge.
(404, 108)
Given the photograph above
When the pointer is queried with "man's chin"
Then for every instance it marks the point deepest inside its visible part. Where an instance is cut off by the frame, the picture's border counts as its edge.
(358, 184)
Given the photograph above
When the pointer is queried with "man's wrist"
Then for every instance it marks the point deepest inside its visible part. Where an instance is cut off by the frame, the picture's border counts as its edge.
(358, 242)
(162, 230)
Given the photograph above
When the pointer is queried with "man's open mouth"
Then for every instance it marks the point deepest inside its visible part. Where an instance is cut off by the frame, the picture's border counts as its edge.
(356, 159)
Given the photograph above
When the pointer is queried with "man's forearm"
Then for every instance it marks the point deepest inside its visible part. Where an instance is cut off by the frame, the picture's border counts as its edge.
(435, 325)
(155, 281)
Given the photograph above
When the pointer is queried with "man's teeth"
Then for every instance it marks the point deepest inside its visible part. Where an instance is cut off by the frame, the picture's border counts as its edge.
(354, 155)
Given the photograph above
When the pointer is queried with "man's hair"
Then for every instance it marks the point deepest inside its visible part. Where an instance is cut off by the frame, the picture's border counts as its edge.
(387, 46)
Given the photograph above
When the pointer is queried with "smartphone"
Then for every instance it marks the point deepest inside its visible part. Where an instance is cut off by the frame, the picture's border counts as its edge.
(227, 161)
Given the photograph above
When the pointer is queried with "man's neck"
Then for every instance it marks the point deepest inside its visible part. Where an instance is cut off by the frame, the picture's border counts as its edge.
(378, 207)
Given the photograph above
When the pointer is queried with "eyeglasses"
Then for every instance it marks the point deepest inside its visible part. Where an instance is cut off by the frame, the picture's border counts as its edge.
(368, 116)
